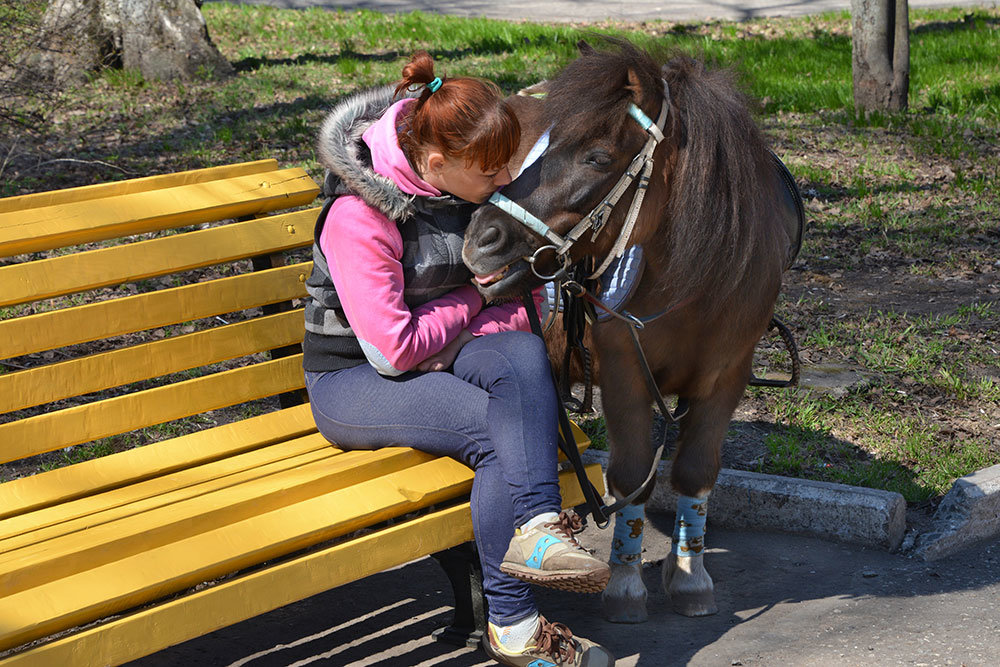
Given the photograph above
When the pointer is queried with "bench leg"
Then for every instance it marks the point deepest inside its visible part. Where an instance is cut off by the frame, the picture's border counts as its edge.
(461, 564)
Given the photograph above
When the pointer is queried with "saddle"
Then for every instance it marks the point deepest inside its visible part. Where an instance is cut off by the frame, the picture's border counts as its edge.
(790, 208)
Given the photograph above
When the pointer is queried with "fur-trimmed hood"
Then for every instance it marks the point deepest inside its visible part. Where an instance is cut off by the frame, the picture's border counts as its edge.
(342, 151)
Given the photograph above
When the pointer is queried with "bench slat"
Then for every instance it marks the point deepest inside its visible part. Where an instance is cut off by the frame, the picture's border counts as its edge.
(187, 513)
(125, 583)
(174, 621)
(72, 426)
(149, 630)
(103, 527)
(62, 485)
(76, 377)
(85, 192)
(92, 269)
(48, 522)
(105, 319)
(92, 220)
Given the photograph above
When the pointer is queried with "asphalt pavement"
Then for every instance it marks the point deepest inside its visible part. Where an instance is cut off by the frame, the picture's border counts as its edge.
(783, 600)
(597, 10)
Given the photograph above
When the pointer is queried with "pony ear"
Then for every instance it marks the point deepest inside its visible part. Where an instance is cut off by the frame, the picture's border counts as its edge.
(584, 47)
(634, 86)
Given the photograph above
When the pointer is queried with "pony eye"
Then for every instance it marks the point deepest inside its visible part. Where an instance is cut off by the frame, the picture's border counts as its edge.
(598, 159)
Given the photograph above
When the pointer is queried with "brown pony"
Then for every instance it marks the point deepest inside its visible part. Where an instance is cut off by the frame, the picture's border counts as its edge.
(715, 239)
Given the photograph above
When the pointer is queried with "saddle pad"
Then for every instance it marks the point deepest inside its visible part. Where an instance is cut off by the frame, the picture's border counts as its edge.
(790, 209)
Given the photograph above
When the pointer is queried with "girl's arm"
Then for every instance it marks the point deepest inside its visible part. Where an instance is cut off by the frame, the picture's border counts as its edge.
(509, 316)
(363, 249)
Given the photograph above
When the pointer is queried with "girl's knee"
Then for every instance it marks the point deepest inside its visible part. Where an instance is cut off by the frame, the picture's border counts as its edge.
(523, 349)
(514, 356)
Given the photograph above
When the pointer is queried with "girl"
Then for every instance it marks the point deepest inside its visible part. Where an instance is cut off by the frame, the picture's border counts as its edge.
(401, 350)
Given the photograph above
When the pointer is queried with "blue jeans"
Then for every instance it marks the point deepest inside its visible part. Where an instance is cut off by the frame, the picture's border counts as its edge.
(495, 412)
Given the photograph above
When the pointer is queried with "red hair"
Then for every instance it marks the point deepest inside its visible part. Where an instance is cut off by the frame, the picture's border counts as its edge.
(465, 118)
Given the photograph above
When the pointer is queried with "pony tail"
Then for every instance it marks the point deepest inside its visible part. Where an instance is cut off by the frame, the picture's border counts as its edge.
(418, 72)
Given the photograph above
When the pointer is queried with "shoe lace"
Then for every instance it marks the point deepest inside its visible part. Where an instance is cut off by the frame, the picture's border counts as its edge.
(568, 524)
(556, 640)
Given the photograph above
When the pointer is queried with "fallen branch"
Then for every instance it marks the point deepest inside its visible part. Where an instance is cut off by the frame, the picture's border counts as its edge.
(11, 364)
(87, 162)
(7, 157)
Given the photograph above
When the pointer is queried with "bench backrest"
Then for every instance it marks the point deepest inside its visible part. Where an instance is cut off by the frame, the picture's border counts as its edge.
(171, 319)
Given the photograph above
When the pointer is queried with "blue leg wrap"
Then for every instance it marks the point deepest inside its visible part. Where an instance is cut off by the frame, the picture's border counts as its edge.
(626, 545)
(689, 526)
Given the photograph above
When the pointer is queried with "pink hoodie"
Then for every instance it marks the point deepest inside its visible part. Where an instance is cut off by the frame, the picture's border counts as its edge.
(363, 249)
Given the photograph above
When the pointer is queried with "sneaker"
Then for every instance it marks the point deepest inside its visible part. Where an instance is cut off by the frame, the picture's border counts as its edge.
(549, 555)
(553, 646)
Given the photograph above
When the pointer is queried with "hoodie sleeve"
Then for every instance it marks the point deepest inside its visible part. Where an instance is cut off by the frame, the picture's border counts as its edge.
(509, 316)
(363, 249)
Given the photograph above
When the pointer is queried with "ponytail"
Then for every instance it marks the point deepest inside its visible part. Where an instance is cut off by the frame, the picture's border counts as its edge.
(418, 72)
(463, 117)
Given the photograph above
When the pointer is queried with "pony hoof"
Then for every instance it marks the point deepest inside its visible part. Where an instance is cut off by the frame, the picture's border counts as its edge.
(694, 604)
(625, 610)
(689, 586)
(624, 598)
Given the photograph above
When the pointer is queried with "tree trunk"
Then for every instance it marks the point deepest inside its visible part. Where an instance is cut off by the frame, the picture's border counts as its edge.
(163, 39)
(881, 55)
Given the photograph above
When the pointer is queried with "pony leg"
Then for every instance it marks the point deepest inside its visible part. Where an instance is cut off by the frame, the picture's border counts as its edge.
(624, 598)
(684, 575)
(695, 469)
(628, 414)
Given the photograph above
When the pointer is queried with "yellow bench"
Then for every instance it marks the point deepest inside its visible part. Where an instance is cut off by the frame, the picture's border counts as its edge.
(100, 338)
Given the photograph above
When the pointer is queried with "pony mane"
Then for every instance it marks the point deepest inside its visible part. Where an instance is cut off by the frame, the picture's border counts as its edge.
(717, 235)
(723, 233)
(589, 97)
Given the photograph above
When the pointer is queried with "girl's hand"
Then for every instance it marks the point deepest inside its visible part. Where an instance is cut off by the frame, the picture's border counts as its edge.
(446, 357)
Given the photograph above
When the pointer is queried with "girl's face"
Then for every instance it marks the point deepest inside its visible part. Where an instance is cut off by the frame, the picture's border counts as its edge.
(469, 183)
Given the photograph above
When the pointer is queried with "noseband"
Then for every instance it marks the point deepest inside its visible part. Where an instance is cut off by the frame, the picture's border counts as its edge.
(641, 168)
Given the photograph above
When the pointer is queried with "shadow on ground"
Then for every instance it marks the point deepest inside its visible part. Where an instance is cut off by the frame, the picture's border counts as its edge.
(782, 600)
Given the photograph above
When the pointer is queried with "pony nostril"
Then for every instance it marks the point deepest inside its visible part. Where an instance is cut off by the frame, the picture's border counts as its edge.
(491, 239)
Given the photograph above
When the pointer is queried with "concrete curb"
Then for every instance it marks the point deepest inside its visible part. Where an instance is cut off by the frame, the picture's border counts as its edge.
(969, 513)
(748, 500)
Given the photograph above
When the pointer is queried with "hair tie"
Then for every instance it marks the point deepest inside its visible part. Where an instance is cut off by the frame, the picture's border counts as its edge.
(434, 85)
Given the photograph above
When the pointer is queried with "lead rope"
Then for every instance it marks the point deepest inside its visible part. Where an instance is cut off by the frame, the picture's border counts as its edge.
(567, 441)
(601, 512)
(575, 315)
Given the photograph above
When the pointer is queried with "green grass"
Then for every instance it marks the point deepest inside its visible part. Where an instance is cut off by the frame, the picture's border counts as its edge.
(596, 429)
(292, 64)
(81, 453)
(857, 441)
(809, 70)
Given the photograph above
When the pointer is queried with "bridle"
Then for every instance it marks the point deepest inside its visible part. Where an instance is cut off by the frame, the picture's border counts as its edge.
(641, 168)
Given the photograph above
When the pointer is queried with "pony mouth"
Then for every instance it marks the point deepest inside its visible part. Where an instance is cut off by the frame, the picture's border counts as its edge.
(492, 278)
(504, 282)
